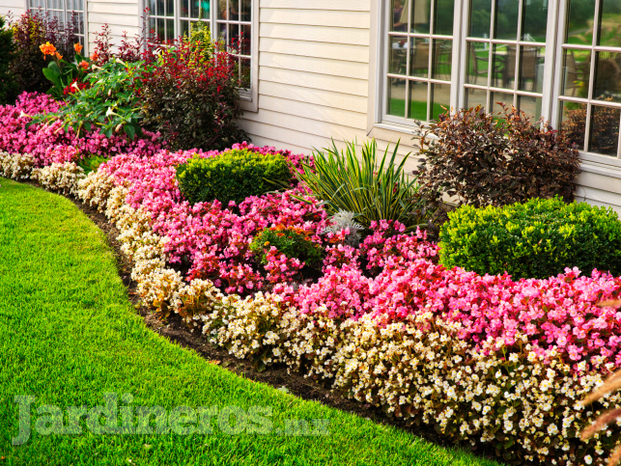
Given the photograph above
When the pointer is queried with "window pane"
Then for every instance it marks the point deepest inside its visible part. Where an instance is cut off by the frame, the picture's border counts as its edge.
(194, 8)
(607, 77)
(398, 55)
(575, 75)
(531, 106)
(159, 10)
(244, 73)
(444, 12)
(475, 97)
(610, 24)
(442, 59)
(503, 66)
(496, 97)
(535, 20)
(531, 68)
(170, 7)
(396, 97)
(420, 16)
(245, 13)
(580, 22)
(574, 122)
(419, 59)
(478, 63)
(170, 29)
(440, 97)
(604, 130)
(418, 100)
(399, 19)
(506, 19)
(480, 18)
(245, 39)
(184, 28)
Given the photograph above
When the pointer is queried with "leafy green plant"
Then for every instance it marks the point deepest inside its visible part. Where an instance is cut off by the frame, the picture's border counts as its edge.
(8, 85)
(91, 163)
(370, 188)
(232, 176)
(537, 239)
(487, 159)
(64, 74)
(30, 31)
(109, 104)
(292, 242)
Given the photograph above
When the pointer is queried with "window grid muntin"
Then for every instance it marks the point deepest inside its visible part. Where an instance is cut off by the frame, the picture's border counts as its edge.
(590, 101)
(178, 18)
(409, 79)
(62, 10)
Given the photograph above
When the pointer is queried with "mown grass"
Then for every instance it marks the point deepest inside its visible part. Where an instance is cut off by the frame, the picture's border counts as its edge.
(68, 335)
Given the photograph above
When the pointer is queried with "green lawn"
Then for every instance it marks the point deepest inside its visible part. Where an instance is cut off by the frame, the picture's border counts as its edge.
(69, 335)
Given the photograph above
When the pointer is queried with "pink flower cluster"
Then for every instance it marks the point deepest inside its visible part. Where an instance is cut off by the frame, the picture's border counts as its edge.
(390, 275)
(51, 143)
(208, 239)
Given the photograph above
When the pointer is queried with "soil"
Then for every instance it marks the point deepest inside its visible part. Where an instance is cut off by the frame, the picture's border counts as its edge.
(307, 388)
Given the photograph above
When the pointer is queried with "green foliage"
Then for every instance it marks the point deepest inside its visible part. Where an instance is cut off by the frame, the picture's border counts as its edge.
(292, 242)
(8, 86)
(91, 163)
(537, 239)
(30, 31)
(108, 104)
(486, 159)
(373, 190)
(232, 176)
(62, 74)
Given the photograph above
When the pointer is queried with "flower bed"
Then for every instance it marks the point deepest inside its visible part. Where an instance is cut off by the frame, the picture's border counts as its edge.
(480, 358)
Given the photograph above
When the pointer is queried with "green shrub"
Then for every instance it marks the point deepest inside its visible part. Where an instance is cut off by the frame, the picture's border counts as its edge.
(495, 159)
(373, 190)
(537, 239)
(232, 176)
(91, 163)
(292, 242)
(8, 86)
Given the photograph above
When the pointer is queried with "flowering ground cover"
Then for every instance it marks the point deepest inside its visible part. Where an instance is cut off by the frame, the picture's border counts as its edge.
(480, 358)
(70, 335)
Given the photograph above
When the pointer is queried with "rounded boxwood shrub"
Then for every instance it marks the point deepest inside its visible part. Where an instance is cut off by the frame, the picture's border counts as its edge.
(232, 175)
(537, 239)
(291, 241)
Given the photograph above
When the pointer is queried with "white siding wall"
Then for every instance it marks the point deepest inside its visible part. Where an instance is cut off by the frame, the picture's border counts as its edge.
(16, 7)
(120, 15)
(313, 74)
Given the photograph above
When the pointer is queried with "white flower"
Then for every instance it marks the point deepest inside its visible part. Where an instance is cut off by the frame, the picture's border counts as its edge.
(588, 459)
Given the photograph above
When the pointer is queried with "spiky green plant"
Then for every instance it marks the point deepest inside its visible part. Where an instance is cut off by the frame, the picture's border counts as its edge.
(372, 189)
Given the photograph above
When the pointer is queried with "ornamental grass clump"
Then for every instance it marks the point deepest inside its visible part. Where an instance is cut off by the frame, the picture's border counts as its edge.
(232, 175)
(538, 239)
(372, 188)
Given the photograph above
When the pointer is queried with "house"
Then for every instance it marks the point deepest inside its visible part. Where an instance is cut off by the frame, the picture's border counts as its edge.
(344, 69)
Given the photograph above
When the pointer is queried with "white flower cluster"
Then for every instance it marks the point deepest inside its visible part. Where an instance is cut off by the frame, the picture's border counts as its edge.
(419, 370)
(16, 166)
(60, 177)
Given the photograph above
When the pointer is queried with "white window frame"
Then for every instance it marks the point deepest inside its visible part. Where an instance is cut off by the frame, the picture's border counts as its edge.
(248, 97)
(384, 126)
(46, 8)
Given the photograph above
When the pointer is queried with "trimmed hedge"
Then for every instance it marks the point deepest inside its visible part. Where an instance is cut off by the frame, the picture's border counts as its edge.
(538, 239)
(233, 175)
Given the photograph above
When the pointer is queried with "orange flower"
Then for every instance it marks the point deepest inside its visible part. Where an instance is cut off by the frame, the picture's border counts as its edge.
(47, 49)
(58, 56)
(84, 65)
(94, 56)
(78, 48)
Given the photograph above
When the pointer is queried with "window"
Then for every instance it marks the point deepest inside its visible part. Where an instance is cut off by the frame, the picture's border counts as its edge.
(231, 22)
(67, 12)
(560, 59)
